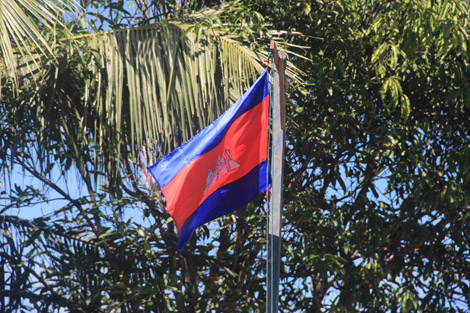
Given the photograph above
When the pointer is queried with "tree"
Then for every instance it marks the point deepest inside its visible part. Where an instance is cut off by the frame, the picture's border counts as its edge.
(377, 187)
(375, 191)
(106, 103)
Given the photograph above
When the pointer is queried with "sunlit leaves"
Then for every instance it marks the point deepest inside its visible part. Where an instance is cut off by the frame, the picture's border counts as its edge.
(384, 109)
(23, 25)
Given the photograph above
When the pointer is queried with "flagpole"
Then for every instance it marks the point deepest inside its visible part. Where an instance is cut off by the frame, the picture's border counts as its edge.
(277, 168)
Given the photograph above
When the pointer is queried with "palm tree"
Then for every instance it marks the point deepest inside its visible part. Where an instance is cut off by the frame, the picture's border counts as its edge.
(148, 88)
(107, 103)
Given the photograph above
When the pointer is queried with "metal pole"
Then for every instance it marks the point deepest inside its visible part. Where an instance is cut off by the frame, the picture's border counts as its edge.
(277, 170)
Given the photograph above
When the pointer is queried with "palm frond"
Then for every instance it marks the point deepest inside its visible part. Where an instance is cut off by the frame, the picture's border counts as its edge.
(158, 85)
(138, 93)
(21, 39)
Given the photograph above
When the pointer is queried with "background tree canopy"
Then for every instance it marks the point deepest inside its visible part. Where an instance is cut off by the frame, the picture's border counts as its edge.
(377, 183)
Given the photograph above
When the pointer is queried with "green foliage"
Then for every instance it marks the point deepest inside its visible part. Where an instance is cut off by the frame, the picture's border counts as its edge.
(107, 14)
(25, 27)
(106, 103)
(376, 170)
(377, 166)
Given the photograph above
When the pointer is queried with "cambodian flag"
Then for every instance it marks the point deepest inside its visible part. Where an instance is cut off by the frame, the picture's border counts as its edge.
(221, 168)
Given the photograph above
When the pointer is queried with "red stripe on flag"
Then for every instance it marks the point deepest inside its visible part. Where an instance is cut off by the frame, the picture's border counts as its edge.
(246, 141)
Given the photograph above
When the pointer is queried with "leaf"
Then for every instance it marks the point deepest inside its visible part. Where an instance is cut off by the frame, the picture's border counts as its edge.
(378, 53)
(405, 106)
(6, 233)
(394, 55)
(233, 274)
(140, 232)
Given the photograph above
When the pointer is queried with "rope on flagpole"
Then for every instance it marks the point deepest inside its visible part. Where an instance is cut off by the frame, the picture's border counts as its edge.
(277, 167)
(268, 192)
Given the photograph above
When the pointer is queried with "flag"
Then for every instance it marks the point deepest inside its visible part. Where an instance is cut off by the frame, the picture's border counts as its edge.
(221, 168)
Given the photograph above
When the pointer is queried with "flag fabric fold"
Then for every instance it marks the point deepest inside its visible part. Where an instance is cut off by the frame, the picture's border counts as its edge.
(221, 168)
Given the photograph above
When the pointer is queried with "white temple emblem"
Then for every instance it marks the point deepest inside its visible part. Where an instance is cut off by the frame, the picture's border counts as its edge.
(222, 167)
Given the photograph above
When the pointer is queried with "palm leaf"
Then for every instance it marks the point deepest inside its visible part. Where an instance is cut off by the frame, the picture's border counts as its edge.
(21, 40)
(157, 87)
(144, 92)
